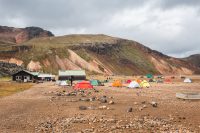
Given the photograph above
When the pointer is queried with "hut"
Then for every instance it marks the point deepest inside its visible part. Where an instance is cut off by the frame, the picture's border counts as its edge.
(71, 75)
(25, 76)
(46, 77)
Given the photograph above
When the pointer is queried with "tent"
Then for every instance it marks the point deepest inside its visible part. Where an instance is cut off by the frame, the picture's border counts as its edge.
(95, 82)
(139, 80)
(133, 84)
(159, 81)
(167, 80)
(117, 83)
(63, 83)
(83, 85)
(144, 83)
(128, 81)
(149, 76)
(152, 80)
(58, 82)
(187, 80)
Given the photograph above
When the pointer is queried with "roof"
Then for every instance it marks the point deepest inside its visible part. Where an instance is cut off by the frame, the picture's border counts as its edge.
(35, 73)
(32, 73)
(43, 75)
(71, 73)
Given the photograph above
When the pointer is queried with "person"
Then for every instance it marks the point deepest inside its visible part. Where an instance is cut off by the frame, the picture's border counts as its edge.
(71, 79)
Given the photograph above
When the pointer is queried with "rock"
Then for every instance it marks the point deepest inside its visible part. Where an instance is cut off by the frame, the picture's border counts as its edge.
(103, 100)
(154, 104)
(102, 107)
(82, 108)
(92, 99)
(135, 103)
(143, 102)
(91, 108)
(58, 94)
(144, 106)
(130, 109)
(111, 102)
(96, 91)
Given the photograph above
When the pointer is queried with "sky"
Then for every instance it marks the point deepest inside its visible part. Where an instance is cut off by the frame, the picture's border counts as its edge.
(169, 26)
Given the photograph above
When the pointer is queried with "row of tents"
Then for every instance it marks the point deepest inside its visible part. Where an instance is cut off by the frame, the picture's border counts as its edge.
(117, 83)
(92, 82)
(132, 84)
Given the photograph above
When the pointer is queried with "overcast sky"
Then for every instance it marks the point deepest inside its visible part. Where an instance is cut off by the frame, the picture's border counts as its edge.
(169, 26)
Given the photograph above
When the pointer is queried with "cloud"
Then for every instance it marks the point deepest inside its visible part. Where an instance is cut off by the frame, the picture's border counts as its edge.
(169, 26)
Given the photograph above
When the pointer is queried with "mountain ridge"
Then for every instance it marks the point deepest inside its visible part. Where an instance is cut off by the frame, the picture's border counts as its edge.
(96, 53)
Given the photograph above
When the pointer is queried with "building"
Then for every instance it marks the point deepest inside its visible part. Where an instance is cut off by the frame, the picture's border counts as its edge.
(46, 77)
(25, 76)
(71, 74)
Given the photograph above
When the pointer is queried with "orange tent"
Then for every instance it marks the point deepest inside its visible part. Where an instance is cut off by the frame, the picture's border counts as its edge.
(83, 85)
(139, 81)
(117, 83)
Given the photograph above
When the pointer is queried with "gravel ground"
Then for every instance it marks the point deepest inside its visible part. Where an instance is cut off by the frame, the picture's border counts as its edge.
(47, 108)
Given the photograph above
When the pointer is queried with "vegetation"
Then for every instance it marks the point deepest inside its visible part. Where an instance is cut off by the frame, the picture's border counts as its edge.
(9, 88)
(83, 54)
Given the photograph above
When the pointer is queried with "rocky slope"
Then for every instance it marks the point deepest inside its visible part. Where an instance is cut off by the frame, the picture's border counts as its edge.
(194, 59)
(7, 69)
(20, 35)
(96, 54)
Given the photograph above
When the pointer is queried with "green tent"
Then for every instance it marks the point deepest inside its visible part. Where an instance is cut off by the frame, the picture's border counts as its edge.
(149, 76)
(95, 82)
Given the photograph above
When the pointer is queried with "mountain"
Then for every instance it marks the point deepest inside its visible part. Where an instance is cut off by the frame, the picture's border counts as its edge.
(96, 53)
(20, 35)
(194, 59)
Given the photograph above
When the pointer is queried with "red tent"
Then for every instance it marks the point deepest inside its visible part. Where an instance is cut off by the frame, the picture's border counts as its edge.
(167, 80)
(128, 81)
(83, 85)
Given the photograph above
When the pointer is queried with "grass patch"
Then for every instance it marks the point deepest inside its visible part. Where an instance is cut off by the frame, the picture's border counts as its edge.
(5, 79)
(83, 54)
(9, 88)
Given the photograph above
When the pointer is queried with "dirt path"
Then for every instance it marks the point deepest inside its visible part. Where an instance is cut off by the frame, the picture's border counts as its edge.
(45, 107)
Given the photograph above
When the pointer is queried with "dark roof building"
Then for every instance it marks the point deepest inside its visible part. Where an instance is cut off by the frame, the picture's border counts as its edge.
(24, 76)
(68, 74)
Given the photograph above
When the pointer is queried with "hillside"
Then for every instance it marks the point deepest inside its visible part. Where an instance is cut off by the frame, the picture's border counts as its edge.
(96, 54)
(7, 69)
(19, 35)
(194, 59)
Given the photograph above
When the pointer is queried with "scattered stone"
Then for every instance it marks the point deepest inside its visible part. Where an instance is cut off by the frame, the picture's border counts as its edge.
(91, 108)
(92, 99)
(111, 102)
(143, 102)
(144, 106)
(103, 100)
(103, 107)
(154, 104)
(130, 109)
(82, 107)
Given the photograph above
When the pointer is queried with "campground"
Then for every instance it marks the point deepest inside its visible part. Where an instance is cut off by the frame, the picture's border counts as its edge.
(47, 107)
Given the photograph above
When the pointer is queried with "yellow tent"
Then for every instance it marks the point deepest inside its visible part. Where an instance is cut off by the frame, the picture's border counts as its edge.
(117, 83)
(144, 83)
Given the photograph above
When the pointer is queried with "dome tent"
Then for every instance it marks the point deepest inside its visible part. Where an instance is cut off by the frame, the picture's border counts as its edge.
(149, 76)
(63, 83)
(134, 84)
(144, 83)
(83, 85)
(95, 82)
(128, 81)
(117, 83)
(187, 80)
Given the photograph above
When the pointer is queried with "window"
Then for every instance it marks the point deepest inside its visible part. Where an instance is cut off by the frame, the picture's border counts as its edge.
(18, 77)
